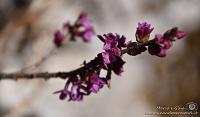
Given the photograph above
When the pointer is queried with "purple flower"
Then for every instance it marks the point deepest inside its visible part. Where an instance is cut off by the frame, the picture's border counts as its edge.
(164, 42)
(87, 36)
(159, 48)
(87, 30)
(162, 53)
(108, 58)
(108, 47)
(159, 38)
(112, 46)
(83, 28)
(75, 94)
(84, 21)
(64, 92)
(112, 55)
(114, 40)
(143, 32)
(114, 63)
(174, 34)
(96, 83)
(180, 34)
(58, 38)
(167, 44)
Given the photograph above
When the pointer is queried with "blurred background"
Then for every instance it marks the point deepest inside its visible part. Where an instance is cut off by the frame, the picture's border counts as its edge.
(26, 35)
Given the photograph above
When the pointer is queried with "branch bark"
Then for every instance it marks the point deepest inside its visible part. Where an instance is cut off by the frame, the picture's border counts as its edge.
(64, 75)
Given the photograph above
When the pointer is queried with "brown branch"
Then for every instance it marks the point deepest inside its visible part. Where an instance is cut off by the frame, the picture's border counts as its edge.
(47, 75)
(64, 75)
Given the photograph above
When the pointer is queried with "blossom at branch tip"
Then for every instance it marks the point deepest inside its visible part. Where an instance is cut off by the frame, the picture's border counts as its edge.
(165, 41)
(180, 34)
(143, 32)
(82, 28)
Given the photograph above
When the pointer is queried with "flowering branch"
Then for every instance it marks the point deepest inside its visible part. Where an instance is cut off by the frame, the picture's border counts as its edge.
(87, 79)
(64, 75)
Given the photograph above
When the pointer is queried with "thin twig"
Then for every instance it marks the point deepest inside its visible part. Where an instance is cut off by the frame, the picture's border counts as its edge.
(37, 64)
(64, 75)
(47, 75)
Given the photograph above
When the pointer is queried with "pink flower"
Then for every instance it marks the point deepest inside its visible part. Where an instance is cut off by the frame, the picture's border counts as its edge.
(96, 83)
(75, 94)
(58, 38)
(180, 34)
(82, 28)
(143, 32)
(164, 42)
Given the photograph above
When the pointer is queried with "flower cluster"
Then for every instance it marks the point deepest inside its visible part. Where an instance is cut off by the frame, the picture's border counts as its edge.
(85, 83)
(161, 42)
(81, 28)
(76, 88)
(88, 80)
(164, 42)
